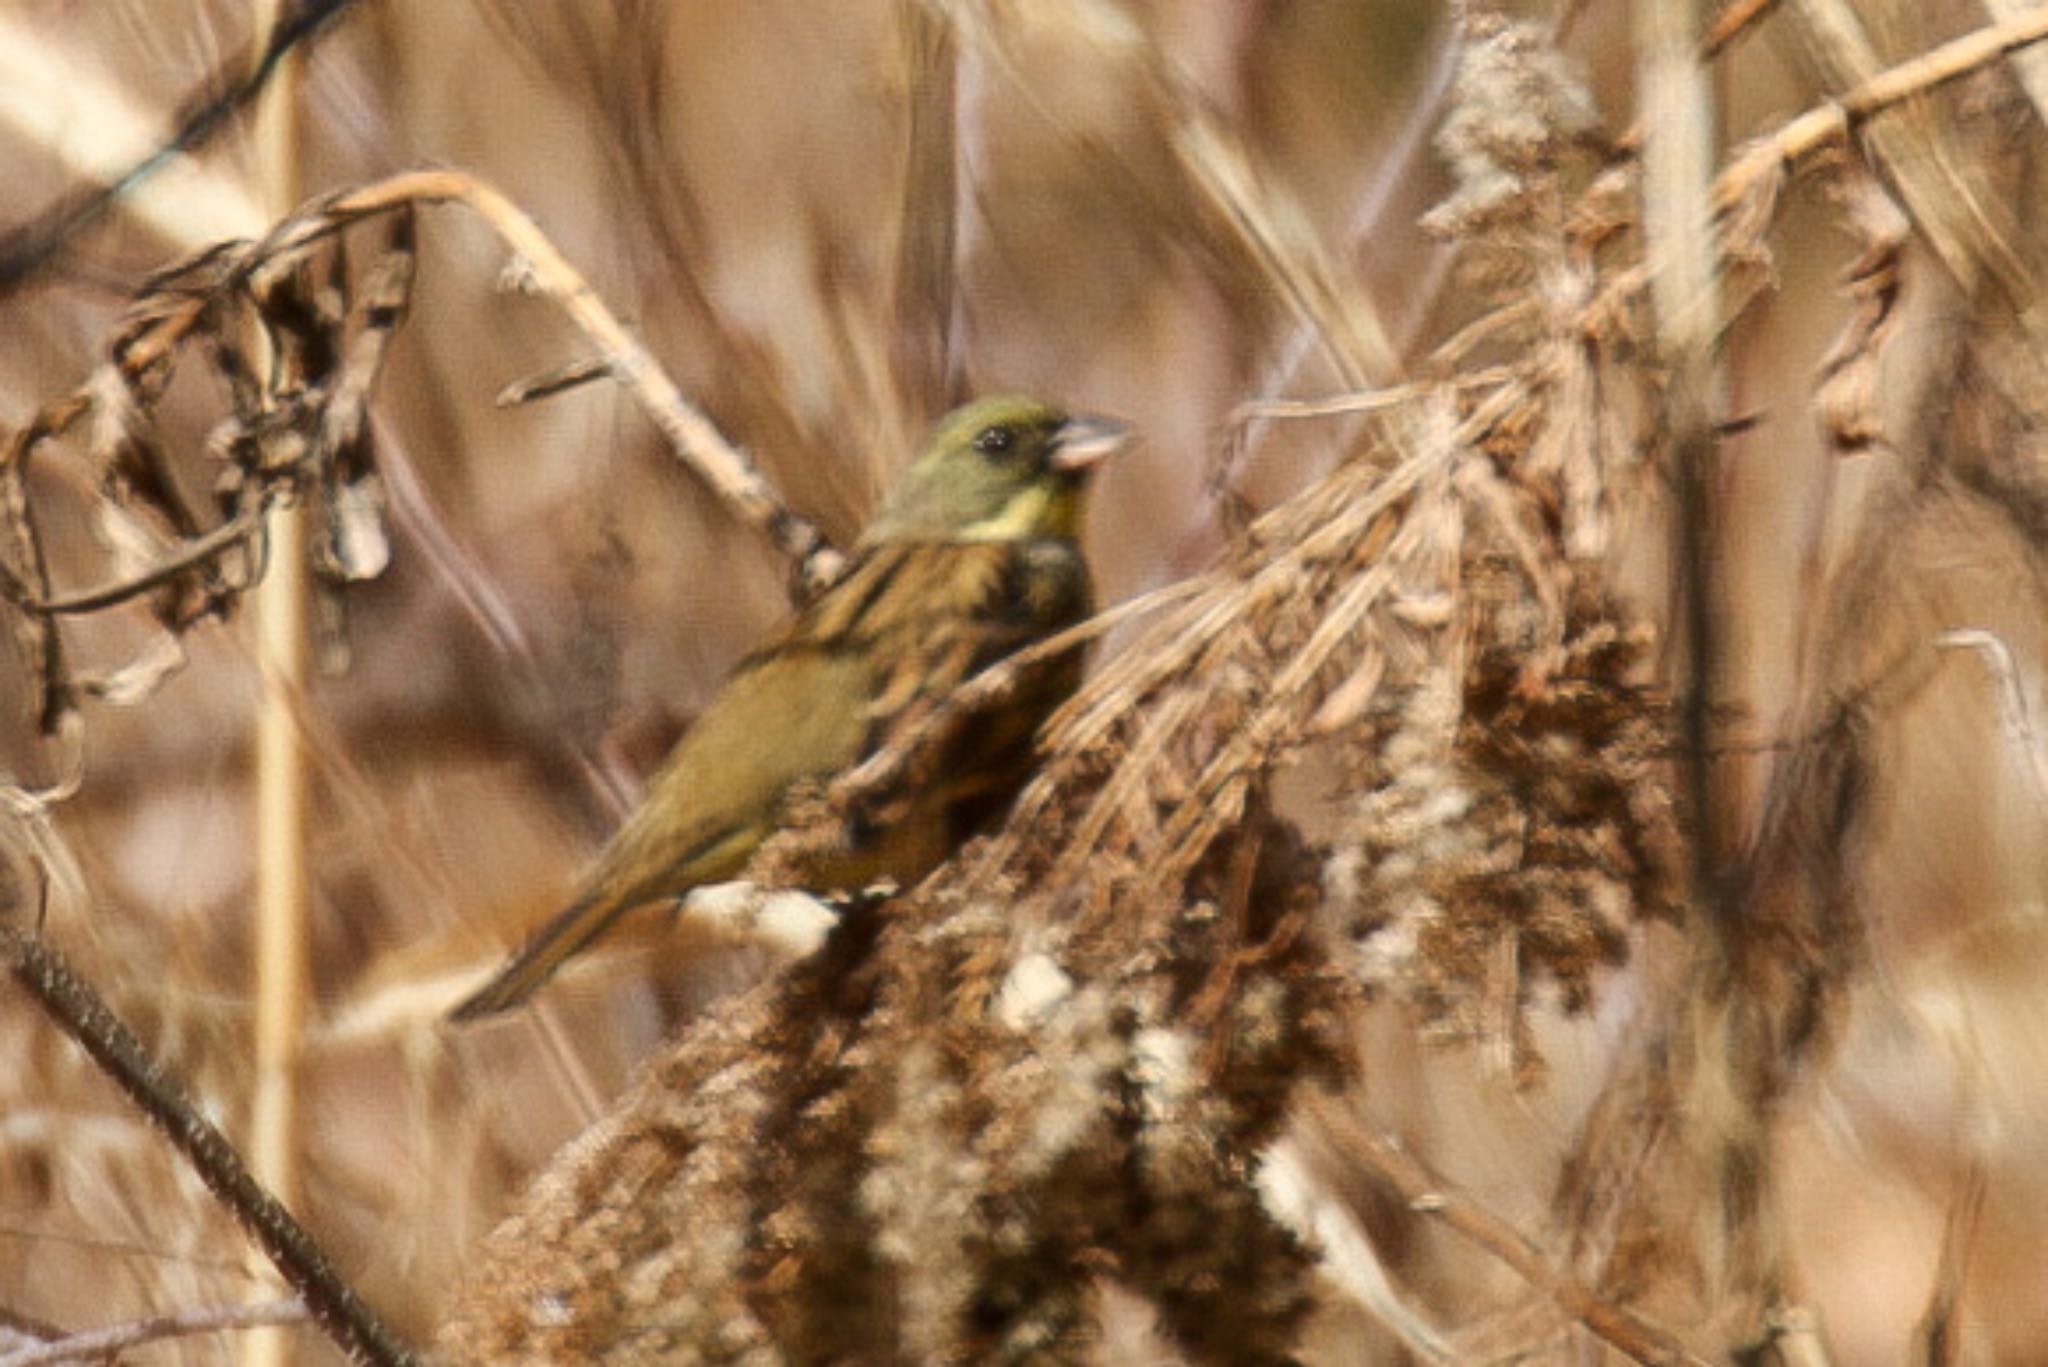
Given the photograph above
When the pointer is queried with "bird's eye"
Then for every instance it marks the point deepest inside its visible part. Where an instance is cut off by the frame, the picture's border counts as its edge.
(995, 441)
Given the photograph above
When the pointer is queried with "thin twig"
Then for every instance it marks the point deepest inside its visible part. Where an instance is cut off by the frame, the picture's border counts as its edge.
(1760, 162)
(1965, 218)
(184, 303)
(80, 1012)
(226, 537)
(552, 382)
(27, 248)
(1734, 19)
(99, 1344)
(1428, 1194)
(692, 436)
(1833, 121)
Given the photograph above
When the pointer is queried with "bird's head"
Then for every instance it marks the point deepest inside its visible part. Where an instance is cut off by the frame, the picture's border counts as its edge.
(999, 469)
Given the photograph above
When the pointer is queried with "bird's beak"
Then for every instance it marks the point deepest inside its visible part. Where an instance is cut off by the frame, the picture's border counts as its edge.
(1082, 442)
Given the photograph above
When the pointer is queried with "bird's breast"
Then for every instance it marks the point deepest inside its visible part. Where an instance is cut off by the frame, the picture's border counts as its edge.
(926, 619)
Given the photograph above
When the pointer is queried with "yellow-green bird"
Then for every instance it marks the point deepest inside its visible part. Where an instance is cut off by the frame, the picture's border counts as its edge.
(973, 558)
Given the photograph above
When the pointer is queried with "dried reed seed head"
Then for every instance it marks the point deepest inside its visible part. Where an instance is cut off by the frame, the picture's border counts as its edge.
(1519, 108)
(1547, 829)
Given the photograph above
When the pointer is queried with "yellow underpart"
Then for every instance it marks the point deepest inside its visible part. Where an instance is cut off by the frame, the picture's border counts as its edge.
(1041, 510)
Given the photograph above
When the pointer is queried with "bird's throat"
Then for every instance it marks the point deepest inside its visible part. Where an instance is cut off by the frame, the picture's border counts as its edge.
(1050, 510)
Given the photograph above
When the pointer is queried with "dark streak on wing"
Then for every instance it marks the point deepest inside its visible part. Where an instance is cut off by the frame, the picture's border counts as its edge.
(842, 617)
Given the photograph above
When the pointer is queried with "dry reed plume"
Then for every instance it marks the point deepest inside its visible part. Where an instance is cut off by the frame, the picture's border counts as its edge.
(1451, 916)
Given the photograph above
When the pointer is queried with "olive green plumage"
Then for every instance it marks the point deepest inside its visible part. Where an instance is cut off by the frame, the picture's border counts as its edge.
(973, 558)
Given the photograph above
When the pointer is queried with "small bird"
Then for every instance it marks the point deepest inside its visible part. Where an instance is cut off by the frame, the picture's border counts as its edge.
(973, 558)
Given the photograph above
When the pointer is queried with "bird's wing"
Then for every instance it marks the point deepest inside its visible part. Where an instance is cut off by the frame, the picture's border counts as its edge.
(796, 709)
(906, 627)
(940, 612)
(949, 612)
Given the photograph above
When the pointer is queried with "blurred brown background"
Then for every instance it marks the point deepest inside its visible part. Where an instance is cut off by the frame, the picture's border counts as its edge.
(733, 179)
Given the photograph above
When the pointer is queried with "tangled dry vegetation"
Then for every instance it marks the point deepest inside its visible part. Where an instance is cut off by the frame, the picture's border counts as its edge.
(1474, 713)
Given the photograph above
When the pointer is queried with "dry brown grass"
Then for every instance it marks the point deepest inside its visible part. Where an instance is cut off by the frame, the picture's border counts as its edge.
(1548, 854)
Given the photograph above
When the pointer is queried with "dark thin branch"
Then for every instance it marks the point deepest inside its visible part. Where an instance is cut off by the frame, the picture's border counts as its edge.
(27, 249)
(549, 383)
(225, 537)
(81, 1013)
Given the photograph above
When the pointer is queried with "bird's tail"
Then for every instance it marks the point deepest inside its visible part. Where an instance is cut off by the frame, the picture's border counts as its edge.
(585, 919)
